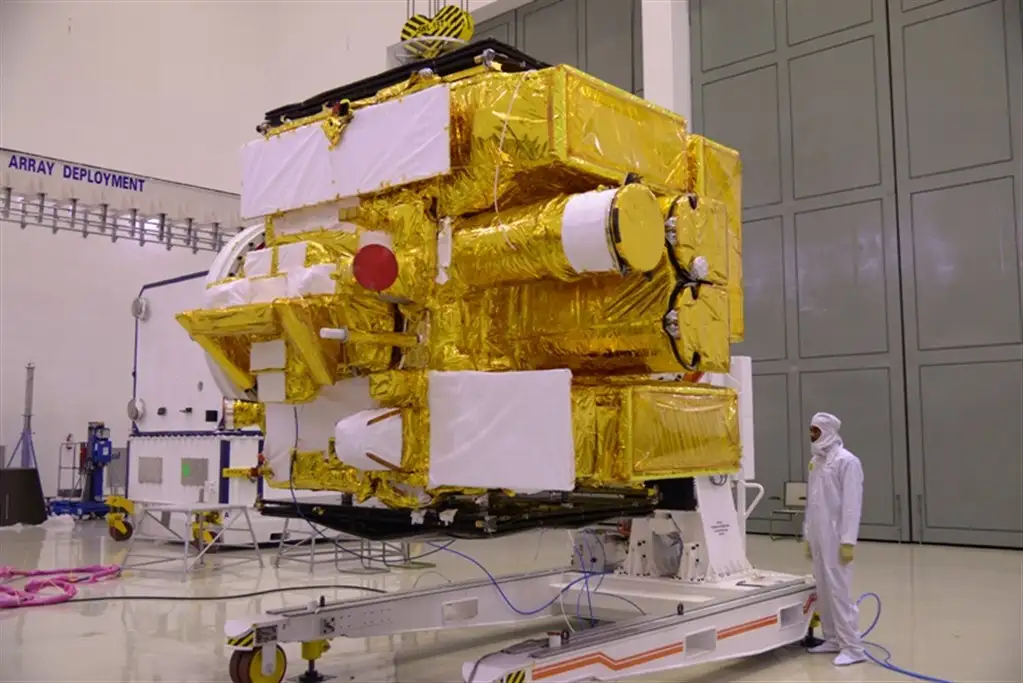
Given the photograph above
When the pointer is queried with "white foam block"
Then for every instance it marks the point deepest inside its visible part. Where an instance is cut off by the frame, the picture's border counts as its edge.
(271, 387)
(234, 293)
(291, 257)
(386, 145)
(279, 440)
(257, 262)
(318, 279)
(320, 217)
(505, 430)
(584, 232)
(266, 289)
(267, 355)
(370, 440)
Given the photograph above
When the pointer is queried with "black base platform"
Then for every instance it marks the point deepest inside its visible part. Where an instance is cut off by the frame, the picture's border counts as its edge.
(510, 59)
(21, 496)
(502, 515)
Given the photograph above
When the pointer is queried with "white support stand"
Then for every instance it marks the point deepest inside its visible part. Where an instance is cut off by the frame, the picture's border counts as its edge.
(193, 554)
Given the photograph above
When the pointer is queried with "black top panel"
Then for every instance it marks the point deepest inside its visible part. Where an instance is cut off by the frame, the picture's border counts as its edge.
(461, 59)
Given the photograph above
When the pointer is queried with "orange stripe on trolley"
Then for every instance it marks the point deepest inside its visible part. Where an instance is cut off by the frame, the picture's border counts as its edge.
(747, 627)
(609, 662)
(541, 673)
(809, 602)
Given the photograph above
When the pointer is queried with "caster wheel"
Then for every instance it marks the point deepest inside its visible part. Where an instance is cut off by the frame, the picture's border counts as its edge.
(119, 535)
(247, 666)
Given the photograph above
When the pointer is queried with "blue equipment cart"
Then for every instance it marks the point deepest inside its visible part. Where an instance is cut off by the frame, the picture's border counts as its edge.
(88, 460)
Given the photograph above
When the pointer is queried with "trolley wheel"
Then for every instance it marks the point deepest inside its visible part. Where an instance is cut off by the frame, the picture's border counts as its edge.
(246, 666)
(119, 535)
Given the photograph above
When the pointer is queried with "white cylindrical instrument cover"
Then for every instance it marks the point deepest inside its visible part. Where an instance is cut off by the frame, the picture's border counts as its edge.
(358, 435)
(584, 232)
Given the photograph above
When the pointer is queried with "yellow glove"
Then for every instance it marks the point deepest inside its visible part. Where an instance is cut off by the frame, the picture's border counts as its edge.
(806, 549)
(846, 552)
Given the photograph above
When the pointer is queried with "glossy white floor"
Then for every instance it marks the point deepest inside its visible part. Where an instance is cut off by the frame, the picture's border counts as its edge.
(949, 612)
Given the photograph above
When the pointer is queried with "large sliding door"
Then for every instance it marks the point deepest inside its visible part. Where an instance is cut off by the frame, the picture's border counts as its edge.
(881, 152)
(956, 76)
(820, 233)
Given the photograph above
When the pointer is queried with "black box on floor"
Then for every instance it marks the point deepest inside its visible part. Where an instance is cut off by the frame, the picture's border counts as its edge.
(21, 496)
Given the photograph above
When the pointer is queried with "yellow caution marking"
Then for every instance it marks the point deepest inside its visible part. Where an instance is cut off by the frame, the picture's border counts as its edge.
(247, 639)
(515, 677)
(450, 22)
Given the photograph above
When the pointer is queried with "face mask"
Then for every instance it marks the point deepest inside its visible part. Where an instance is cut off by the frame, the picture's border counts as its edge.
(823, 444)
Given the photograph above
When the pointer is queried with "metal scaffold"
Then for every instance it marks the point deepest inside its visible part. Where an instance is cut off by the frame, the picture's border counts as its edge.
(64, 196)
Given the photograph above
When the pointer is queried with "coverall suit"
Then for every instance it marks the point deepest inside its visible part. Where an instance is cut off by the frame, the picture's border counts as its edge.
(833, 506)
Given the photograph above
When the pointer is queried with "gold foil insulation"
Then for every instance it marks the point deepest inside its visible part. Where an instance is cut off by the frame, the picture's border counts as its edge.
(636, 430)
(485, 282)
(715, 171)
(248, 414)
(520, 137)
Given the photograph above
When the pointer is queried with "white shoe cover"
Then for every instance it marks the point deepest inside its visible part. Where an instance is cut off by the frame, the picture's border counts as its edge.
(845, 658)
(825, 648)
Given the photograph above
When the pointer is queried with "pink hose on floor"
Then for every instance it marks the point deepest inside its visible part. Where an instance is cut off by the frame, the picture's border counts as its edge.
(63, 580)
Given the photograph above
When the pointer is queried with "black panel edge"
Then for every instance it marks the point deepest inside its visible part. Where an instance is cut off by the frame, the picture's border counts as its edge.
(510, 59)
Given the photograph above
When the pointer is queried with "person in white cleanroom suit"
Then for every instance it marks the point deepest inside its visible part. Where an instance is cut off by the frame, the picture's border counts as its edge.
(833, 502)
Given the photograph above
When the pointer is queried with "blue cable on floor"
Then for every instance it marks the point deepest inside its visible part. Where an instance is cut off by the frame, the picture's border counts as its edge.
(887, 661)
(530, 612)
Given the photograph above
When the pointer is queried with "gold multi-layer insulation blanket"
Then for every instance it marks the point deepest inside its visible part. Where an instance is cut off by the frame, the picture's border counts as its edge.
(633, 430)
(484, 282)
(627, 430)
(716, 171)
(590, 324)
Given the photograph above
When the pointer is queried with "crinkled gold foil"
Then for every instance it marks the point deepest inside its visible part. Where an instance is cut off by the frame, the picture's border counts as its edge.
(314, 471)
(584, 417)
(704, 328)
(249, 414)
(319, 357)
(299, 384)
(704, 232)
(681, 431)
(615, 133)
(715, 171)
(248, 319)
(394, 388)
(631, 429)
(521, 137)
(520, 244)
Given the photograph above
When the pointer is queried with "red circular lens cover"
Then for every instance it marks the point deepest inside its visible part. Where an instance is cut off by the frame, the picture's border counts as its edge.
(375, 267)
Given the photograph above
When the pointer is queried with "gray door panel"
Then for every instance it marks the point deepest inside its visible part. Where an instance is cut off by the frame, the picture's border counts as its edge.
(601, 37)
(821, 267)
(959, 158)
(501, 27)
(553, 31)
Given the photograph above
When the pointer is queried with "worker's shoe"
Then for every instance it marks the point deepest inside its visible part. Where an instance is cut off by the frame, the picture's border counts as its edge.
(828, 647)
(846, 657)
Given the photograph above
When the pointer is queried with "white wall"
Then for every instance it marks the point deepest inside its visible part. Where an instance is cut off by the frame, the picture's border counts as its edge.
(163, 89)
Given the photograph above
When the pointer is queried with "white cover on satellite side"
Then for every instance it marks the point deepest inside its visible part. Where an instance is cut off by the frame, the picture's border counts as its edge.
(386, 145)
(370, 440)
(502, 430)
